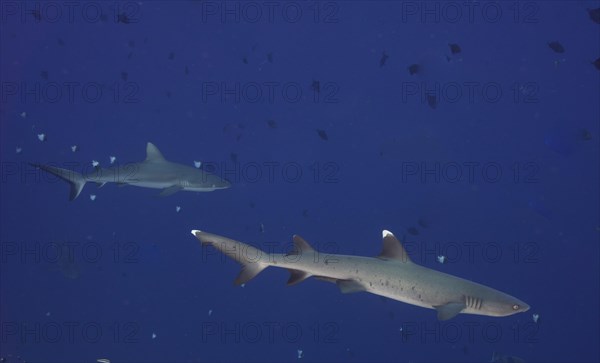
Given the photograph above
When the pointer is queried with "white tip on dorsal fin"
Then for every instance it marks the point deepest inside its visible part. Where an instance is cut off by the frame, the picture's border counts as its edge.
(392, 248)
(153, 154)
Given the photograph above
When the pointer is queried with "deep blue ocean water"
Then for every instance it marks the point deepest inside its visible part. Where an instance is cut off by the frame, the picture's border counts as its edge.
(488, 155)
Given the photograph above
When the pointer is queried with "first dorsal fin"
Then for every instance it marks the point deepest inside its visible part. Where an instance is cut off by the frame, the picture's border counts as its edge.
(300, 246)
(153, 154)
(392, 248)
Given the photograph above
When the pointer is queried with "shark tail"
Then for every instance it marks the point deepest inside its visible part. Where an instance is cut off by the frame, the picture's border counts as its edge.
(252, 260)
(76, 180)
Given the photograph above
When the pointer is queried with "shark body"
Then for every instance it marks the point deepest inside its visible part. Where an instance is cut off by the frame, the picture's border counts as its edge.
(391, 274)
(154, 172)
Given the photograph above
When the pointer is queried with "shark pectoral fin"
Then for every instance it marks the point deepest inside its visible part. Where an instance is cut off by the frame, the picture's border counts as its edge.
(170, 190)
(449, 310)
(349, 286)
(297, 276)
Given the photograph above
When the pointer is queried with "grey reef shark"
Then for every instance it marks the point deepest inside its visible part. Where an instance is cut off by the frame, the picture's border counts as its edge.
(154, 172)
(391, 274)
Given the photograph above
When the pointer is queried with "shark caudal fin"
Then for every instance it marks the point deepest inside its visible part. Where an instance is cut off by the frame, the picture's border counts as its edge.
(252, 260)
(76, 180)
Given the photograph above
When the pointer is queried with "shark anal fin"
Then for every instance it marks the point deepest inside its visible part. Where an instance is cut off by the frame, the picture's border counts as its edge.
(449, 310)
(350, 286)
(170, 190)
(297, 276)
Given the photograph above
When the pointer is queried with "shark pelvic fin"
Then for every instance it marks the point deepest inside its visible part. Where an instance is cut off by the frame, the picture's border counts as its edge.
(349, 286)
(153, 154)
(392, 248)
(170, 190)
(297, 276)
(449, 310)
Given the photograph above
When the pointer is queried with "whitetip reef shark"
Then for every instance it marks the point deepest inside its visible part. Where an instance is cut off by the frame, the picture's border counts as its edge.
(154, 172)
(391, 274)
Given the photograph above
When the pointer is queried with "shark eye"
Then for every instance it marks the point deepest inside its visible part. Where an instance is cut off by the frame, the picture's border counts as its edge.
(515, 307)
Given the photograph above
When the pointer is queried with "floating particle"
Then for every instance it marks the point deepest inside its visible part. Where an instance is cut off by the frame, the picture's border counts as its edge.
(44, 75)
(129, 55)
(413, 230)
(112, 159)
(594, 15)
(305, 213)
(177, 209)
(169, 94)
(272, 124)
(197, 164)
(131, 44)
(300, 353)
(441, 259)
(423, 222)
(92, 197)
(596, 63)
(210, 312)
(454, 48)
(186, 70)
(153, 336)
(36, 14)
(234, 130)
(95, 163)
(270, 57)
(41, 137)
(383, 59)
(18, 150)
(123, 18)
(23, 114)
(432, 101)
(413, 69)
(261, 228)
(124, 76)
(245, 60)
(536, 317)
(323, 134)
(48, 313)
(233, 157)
(316, 86)
(243, 285)
(556, 47)
(252, 204)
(103, 360)
(74, 148)
(586, 135)
(60, 42)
